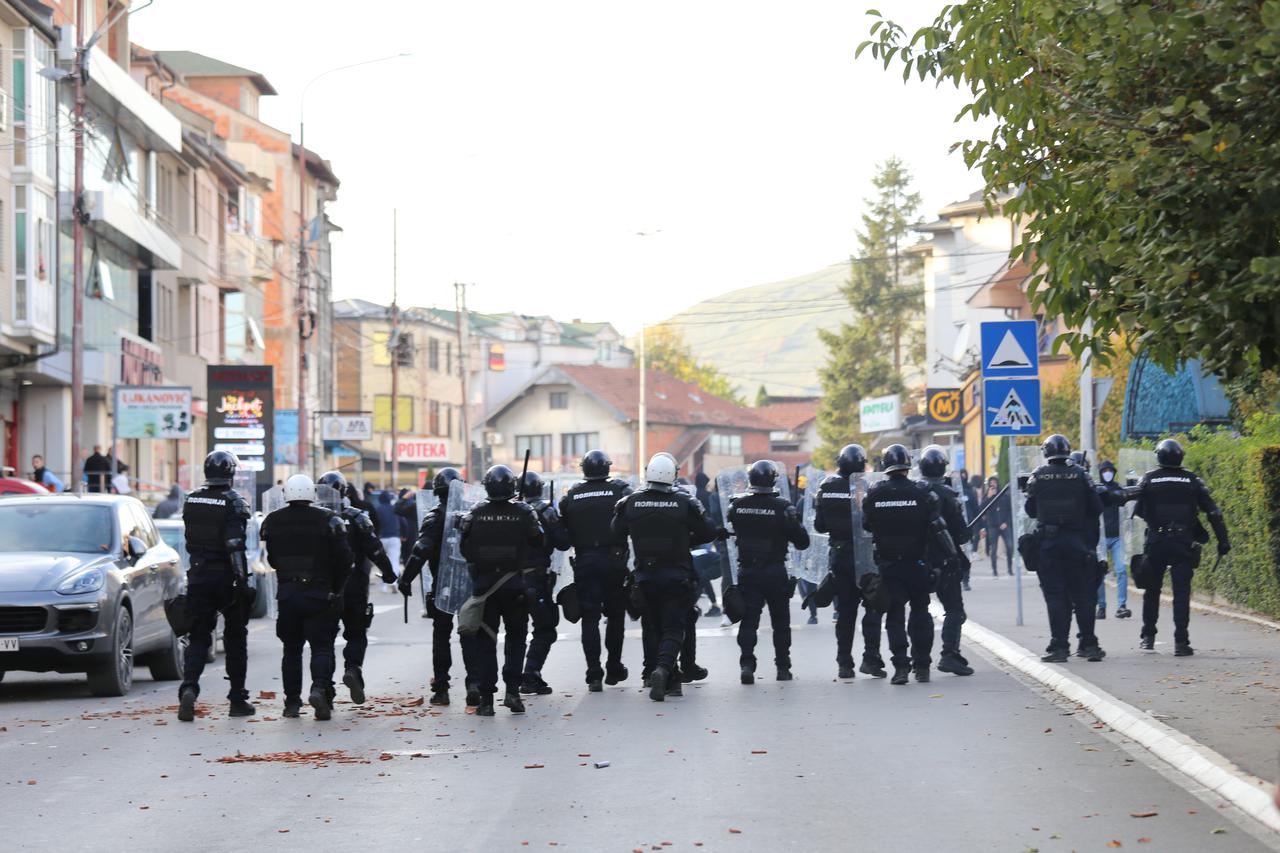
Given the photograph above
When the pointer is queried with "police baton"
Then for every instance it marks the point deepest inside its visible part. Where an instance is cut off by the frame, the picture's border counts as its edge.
(523, 471)
(406, 609)
(990, 504)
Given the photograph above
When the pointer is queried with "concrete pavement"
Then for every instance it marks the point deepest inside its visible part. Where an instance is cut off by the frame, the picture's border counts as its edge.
(981, 763)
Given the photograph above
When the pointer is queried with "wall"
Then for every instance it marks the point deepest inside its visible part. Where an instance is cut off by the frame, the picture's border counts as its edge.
(532, 415)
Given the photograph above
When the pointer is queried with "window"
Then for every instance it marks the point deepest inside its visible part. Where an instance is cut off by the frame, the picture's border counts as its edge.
(381, 353)
(725, 445)
(604, 351)
(404, 352)
(382, 413)
(433, 355)
(235, 324)
(574, 445)
(539, 447)
(433, 417)
(559, 399)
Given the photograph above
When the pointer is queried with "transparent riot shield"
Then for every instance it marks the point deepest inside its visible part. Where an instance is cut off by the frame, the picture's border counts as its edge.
(1022, 462)
(1133, 463)
(864, 561)
(730, 482)
(272, 500)
(552, 491)
(329, 498)
(813, 564)
(426, 501)
(455, 581)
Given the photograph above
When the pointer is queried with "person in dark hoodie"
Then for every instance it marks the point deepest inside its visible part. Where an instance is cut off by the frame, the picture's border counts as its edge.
(407, 512)
(711, 501)
(388, 524)
(170, 506)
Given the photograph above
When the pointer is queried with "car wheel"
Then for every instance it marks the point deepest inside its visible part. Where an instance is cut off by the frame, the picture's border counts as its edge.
(166, 664)
(114, 676)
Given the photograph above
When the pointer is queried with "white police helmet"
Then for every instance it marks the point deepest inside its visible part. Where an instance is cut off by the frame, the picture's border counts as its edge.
(299, 487)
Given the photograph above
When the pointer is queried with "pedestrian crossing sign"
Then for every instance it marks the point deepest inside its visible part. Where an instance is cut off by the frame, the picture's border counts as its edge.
(1010, 348)
(1011, 407)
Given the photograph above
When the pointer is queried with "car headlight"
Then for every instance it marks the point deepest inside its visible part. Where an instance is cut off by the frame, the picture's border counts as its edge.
(88, 580)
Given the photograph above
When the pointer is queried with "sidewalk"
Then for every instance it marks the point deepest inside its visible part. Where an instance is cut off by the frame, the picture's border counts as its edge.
(1227, 696)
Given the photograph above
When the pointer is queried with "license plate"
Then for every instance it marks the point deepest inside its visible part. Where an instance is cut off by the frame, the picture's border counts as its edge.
(8, 644)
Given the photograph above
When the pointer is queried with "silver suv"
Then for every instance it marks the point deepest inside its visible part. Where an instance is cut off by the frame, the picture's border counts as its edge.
(83, 581)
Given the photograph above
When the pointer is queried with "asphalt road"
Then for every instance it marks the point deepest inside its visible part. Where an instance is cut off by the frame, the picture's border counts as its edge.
(960, 764)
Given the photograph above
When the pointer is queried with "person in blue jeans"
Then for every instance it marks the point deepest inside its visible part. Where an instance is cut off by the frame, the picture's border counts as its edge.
(1113, 499)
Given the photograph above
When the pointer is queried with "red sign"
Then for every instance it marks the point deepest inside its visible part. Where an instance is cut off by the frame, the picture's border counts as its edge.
(412, 449)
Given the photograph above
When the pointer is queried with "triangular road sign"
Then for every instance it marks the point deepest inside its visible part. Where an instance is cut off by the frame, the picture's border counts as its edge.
(1010, 354)
(1012, 413)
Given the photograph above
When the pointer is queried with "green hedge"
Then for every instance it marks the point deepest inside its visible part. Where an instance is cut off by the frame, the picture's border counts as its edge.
(1242, 472)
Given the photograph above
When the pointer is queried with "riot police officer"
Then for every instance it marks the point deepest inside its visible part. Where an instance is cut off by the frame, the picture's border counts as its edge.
(904, 519)
(1061, 497)
(663, 523)
(834, 515)
(426, 551)
(497, 535)
(308, 547)
(216, 518)
(1170, 499)
(951, 570)
(763, 524)
(599, 566)
(357, 612)
(539, 584)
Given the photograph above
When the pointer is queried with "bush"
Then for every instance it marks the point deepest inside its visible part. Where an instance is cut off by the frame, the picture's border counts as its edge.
(1242, 472)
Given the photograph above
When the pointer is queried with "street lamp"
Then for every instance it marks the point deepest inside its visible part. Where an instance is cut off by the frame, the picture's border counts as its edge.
(304, 333)
(642, 441)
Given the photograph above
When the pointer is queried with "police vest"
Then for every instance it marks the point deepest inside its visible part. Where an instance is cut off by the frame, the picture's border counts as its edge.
(1061, 495)
(498, 539)
(898, 514)
(298, 544)
(1169, 498)
(760, 530)
(834, 499)
(658, 522)
(206, 514)
(587, 510)
(359, 533)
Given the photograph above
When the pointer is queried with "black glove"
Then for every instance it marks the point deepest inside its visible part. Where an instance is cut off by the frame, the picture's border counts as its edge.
(1224, 547)
(335, 603)
(388, 577)
(722, 534)
(405, 585)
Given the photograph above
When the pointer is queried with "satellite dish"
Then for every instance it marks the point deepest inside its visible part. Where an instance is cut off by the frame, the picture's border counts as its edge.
(962, 343)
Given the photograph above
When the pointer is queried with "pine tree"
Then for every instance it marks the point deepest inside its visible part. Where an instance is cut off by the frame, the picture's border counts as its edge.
(762, 396)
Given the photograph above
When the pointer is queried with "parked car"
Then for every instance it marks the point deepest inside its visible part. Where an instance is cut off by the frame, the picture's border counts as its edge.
(19, 486)
(83, 581)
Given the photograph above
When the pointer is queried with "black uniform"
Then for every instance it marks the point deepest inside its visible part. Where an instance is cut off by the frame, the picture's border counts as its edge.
(663, 524)
(357, 612)
(1170, 500)
(426, 551)
(833, 515)
(539, 585)
(599, 568)
(496, 538)
(1061, 498)
(216, 519)
(902, 516)
(763, 525)
(307, 546)
(952, 571)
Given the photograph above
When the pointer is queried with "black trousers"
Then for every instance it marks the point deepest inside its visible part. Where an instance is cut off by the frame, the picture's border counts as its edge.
(951, 597)
(994, 537)
(355, 618)
(666, 604)
(1177, 557)
(599, 577)
(1069, 582)
(651, 639)
(848, 597)
(765, 588)
(544, 618)
(910, 636)
(305, 617)
(208, 594)
(506, 606)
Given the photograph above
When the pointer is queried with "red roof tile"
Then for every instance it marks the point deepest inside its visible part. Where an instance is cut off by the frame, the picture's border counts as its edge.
(670, 401)
(789, 417)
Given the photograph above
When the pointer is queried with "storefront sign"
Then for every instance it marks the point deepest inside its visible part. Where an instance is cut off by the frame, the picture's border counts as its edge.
(880, 414)
(141, 363)
(241, 416)
(411, 449)
(346, 428)
(944, 406)
(152, 412)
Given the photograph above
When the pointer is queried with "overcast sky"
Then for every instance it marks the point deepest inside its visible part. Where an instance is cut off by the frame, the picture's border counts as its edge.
(526, 144)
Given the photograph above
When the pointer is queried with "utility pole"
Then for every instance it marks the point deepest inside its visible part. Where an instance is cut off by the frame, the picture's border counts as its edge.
(77, 267)
(641, 443)
(303, 333)
(460, 306)
(395, 354)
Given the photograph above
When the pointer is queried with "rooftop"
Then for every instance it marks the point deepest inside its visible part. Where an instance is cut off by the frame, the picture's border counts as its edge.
(187, 63)
(789, 416)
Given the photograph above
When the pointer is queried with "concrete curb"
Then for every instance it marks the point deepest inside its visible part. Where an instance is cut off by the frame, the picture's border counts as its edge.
(1250, 794)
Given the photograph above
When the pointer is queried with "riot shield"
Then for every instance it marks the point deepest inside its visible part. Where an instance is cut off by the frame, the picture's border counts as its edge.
(864, 561)
(552, 491)
(813, 563)
(454, 587)
(328, 498)
(272, 500)
(1022, 462)
(1133, 463)
(426, 501)
(730, 482)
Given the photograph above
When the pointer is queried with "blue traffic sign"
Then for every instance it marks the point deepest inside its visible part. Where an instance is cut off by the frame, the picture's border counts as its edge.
(1011, 406)
(1010, 348)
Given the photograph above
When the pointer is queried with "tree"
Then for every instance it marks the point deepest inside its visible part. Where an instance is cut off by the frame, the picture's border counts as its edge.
(666, 350)
(865, 358)
(1143, 142)
(762, 396)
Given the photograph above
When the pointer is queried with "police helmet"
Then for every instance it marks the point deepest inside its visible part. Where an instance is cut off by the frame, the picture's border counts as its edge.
(1169, 454)
(763, 478)
(852, 460)
(661, 470)
(1056, 448)
(499, 483)
(1080, 458)
(934, 461)
(440, 482)
(895, 458)
(334, 480)
(220, 467)
(596, 464)
(299, 488)
(531, 488)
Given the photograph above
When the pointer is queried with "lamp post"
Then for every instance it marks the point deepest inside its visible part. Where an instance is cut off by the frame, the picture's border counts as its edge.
(306, 327)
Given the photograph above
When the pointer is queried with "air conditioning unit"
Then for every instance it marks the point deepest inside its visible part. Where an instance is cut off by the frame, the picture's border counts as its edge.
(4, 111)
(493, 438)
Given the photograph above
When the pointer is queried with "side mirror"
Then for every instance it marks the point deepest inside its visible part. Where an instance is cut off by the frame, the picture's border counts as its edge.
(136, 548)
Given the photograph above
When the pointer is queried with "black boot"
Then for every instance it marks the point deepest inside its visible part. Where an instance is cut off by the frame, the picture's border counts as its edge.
(187, 704)
(954, 664)
(293, 707)
(873, 667)
(320, 704)
(484, 705)
(748, 674)
(675, 684)
(1054, 656)
(693, 672)
(240, 706)
(513, 701)
(1093, 653)
(354, 679)
(473, 697)
(845, 670)
(900, 674)
(658, 683)
(615, 673)
(922, 674)
(784, 673)
(595, 685)
(1182, 649)
(1102, 612)
(439, 697)
(532, 683)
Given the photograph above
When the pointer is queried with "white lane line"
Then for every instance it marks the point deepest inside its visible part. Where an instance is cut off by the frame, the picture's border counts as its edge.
(1214, 771)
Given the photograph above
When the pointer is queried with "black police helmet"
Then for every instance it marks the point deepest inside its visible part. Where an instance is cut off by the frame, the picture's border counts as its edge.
(1169, 454)
(220, 467)
(499, 483)
(896, 458)
(763, 478)
(1080, 458)
(934, 461)
(531, 488)
(1056, 448)
(596, 465)
(334, 480)
(440, 482)
(852, 460)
